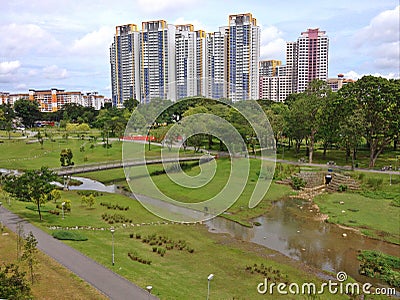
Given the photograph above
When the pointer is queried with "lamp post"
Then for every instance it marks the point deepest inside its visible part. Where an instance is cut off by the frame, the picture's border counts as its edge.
(63, 205)
(210, 277)
(112, 234)
(390, 170)
(149, 288)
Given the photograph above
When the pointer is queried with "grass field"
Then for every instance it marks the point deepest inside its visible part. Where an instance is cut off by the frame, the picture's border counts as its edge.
(53, 281)
(238, 212)
(177, 274)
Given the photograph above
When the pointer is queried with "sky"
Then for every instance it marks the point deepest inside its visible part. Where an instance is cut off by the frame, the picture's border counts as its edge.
(65, 43)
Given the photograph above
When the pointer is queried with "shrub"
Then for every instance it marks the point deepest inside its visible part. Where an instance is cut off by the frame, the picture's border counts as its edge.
(375, 183)
(298, 182)
(342, 188)
(69, 235)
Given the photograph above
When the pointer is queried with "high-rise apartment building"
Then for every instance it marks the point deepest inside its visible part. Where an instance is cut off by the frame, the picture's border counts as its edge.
(190, 52)
(312, 57)
(157, 61)
(124, 59)
(306, 60)
(243, 57)
(217, 66)
(174, 62)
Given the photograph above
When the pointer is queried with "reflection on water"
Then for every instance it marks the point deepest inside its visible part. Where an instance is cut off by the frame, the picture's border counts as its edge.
(92, 185)
(290, 229)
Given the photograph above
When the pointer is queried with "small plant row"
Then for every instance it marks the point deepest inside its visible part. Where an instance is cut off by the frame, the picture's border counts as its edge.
(54, 212)
(114, 206)
(115, 218)
(135, 257)
(270, 273)
(88, 193)
(161, 243)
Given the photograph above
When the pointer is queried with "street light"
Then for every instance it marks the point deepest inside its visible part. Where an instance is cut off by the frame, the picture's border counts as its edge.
(210, 277)
(149, 288)
(112, 233)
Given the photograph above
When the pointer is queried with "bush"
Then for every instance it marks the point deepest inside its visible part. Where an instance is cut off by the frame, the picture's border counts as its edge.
(375, 183)
(342, 188)
(298, 182)
(69, 235)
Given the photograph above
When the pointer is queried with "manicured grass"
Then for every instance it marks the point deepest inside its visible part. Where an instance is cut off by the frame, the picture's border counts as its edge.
(374, 217)
(238, 212)
(178, 274)
(53, 281)
(17, 154)
(388, 157)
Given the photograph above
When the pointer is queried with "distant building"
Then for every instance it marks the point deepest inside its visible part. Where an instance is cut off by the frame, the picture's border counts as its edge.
(217, 66)
(312, 57)
(157, 61)
(243, 57)
(125, 66)
(306, 60)
(337, 83)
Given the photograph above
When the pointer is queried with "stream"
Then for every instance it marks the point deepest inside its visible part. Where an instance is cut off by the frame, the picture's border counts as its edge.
(291, 228)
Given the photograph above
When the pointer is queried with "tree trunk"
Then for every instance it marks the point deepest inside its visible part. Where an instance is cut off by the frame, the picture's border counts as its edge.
(311, 147)
(38, 207)
(325, 149)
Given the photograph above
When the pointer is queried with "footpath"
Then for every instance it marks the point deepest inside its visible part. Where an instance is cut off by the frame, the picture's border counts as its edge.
(106, 281)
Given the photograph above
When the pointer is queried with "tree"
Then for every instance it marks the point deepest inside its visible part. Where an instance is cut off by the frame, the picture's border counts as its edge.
(131, 104)
(314, 102)
(29, 254)
(55, 195)
(33, 185)
(40, 139)
(88, 200)
(13, 284)
(66, 157)
(28, 111)
(378, 100)
(7, 118)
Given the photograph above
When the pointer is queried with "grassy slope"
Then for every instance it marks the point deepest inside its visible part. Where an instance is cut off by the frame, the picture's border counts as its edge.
(179, 273)
(53, 280)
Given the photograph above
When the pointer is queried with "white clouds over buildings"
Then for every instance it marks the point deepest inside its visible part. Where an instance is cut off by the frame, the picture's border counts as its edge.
(273, 46)
(95, 42)
(380, 40)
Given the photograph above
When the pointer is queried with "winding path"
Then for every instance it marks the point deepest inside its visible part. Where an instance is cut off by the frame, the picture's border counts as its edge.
(106, 281)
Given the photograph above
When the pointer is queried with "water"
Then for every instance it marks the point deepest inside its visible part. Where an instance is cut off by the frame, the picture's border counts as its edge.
(291, 229)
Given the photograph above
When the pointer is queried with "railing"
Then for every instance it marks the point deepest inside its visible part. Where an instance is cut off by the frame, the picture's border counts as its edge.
(120, 164)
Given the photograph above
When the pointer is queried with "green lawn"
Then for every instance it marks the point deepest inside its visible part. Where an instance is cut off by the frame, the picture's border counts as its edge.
(374, 217)
(238, 212)
(388, 157)
(179, 273)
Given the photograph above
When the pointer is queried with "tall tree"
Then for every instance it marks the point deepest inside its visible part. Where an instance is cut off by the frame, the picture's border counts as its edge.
(13, 284)
(378, 100)
(29, 254)
(33, 185)
(28, 111)
(7, 118)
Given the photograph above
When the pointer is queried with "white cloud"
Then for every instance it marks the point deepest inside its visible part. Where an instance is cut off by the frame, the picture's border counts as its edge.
(54, 72)
(156, 6)
(384, 28)
(96, 42)
(8, 67)
(19, 39)
(354, 75)
(273, 46)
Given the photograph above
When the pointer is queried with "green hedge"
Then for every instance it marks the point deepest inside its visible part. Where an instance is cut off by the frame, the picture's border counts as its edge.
(69, 235)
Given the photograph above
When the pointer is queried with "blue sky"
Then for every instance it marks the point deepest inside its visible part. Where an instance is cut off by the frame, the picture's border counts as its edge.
(65, 43)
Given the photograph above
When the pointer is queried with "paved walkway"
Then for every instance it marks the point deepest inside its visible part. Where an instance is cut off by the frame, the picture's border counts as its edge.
(106, 281)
